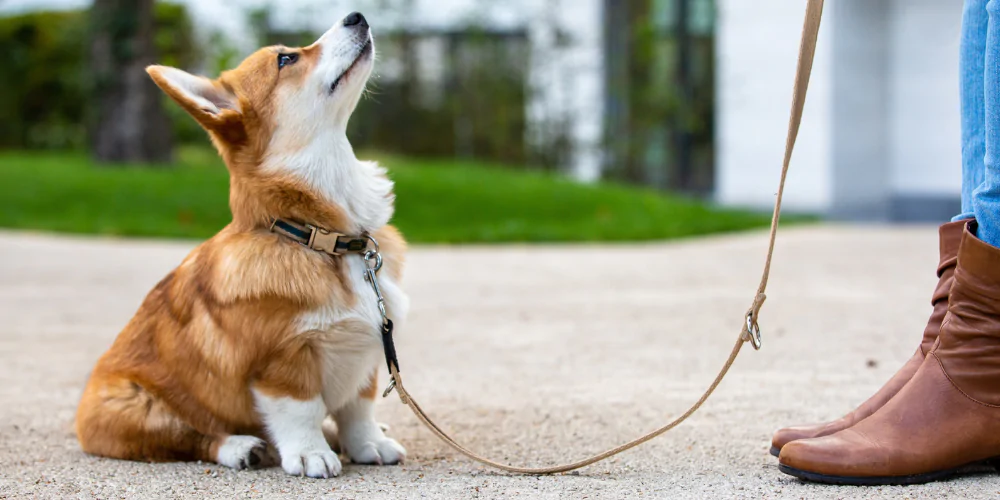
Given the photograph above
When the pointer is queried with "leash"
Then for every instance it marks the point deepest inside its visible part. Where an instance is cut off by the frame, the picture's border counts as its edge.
(750, 331)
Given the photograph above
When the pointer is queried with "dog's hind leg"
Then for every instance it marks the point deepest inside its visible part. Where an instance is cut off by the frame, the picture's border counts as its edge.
(117, 418)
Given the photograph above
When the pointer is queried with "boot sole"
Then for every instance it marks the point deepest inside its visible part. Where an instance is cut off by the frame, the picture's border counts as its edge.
(775, 450)
(890, 480)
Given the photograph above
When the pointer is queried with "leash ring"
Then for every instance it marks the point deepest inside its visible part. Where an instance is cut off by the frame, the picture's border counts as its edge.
(753, 331)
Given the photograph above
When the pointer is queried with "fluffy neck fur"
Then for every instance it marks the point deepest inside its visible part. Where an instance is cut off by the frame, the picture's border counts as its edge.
(322, 183)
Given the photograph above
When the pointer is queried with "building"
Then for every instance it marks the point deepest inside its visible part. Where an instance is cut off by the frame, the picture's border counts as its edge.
(880, 139)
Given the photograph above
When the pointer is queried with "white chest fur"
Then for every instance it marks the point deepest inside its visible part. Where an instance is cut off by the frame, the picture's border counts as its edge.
(349, 336)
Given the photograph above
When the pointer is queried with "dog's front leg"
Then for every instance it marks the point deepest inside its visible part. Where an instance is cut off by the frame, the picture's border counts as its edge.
(361, 437)
(287, 396)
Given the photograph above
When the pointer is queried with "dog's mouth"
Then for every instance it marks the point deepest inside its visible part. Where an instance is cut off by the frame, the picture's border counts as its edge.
(365, 51)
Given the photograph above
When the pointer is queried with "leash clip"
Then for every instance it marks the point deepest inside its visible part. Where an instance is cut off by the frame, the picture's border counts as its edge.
(373, 263)
(371, 276)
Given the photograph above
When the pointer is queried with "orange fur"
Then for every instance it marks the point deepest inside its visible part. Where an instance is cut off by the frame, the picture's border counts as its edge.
(177, 381)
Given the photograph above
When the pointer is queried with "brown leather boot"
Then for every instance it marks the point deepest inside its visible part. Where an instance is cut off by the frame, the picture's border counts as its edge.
(950, 235)
(947, 418)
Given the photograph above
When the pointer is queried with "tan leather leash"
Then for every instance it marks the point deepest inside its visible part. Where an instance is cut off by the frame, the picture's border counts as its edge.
(750, 331)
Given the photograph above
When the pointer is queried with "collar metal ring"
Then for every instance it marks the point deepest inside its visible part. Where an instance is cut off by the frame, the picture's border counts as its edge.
(371, 239)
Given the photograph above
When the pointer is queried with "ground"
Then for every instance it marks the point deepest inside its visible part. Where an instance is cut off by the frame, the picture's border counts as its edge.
(531, 354)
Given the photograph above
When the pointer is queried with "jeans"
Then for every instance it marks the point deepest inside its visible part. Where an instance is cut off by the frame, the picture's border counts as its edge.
(979, 67)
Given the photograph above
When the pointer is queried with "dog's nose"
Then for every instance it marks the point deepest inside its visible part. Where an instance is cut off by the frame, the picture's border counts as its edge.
(354, 19)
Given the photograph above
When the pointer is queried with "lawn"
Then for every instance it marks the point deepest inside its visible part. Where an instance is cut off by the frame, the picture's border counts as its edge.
(439, 201)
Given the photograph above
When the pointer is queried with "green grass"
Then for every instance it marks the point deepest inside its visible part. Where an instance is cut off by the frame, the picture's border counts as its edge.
(437, 201)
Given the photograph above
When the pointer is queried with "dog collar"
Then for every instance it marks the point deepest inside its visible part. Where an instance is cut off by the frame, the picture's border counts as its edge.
(319, 239)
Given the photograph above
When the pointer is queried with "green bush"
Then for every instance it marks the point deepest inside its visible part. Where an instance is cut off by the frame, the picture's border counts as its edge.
(45, 82)
(43, 93)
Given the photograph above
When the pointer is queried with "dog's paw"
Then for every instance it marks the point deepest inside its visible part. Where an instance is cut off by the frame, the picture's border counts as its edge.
(242, 452)
(381, 451)
(315, 462)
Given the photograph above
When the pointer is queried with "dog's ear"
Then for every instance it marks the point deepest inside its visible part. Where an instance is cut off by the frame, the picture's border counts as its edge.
(214, 107)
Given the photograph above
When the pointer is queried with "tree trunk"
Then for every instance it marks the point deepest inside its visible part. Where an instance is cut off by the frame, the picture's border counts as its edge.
(618, 93)
(642, 117)
(129, 124)
(683, 174)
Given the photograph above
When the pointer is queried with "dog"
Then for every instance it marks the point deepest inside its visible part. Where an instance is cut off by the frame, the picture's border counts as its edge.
(243, 350)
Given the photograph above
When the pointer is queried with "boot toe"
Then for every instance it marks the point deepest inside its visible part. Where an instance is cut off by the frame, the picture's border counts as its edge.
(799, 432)
(794, 433)
(844, 454)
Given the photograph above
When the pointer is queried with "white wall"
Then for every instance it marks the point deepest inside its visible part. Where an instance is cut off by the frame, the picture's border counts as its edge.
(756, 54)
(925, 138)
(860, 151)
(880, 137)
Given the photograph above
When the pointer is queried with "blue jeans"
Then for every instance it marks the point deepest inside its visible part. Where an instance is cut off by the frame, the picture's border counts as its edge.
(979, 66)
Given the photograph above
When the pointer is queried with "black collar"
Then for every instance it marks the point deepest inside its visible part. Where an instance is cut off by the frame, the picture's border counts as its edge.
(320, 239)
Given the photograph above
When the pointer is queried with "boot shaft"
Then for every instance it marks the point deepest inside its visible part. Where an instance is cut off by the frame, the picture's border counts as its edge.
(969, 346)
(949, 241)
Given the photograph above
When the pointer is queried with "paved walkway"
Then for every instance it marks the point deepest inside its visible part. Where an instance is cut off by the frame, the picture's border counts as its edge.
(532, 354)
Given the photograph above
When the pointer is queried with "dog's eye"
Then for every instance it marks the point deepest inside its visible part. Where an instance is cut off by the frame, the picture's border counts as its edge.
(286, 59)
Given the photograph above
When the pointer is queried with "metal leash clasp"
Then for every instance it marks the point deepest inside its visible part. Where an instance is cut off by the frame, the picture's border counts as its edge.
(373, 263)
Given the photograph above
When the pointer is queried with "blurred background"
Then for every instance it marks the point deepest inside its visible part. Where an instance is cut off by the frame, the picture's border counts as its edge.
(523, 120)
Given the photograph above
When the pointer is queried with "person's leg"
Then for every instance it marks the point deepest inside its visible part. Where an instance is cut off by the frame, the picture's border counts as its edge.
(972, 81)
(986, 197)
(950, 235)
(975, 22)
(948, 415)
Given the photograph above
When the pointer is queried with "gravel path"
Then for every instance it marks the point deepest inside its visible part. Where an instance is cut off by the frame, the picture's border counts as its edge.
(533, 354)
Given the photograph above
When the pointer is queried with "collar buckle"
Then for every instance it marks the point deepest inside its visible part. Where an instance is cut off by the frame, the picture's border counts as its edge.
(322, 240)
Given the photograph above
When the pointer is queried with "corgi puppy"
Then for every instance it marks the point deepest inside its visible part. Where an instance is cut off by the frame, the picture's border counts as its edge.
(254, 339)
